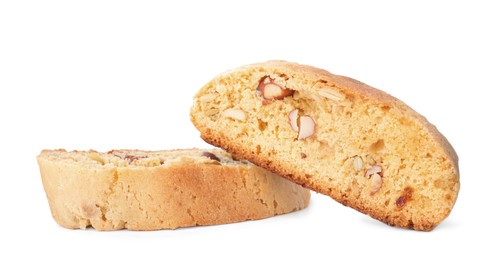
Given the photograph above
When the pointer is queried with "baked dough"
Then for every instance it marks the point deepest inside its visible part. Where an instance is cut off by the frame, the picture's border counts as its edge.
(151, 190)
(335, 135)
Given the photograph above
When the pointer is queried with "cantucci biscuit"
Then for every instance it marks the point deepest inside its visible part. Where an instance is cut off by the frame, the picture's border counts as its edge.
(335, 135)
(151, 190)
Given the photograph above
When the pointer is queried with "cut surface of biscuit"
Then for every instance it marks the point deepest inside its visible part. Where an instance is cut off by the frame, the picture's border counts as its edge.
(151, 190)
(335, 135)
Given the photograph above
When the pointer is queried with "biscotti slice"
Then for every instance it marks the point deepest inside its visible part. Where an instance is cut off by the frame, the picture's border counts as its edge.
(335, 135)
(151, 190)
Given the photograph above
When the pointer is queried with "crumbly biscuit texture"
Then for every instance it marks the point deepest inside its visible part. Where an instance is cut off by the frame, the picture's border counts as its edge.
(336, 135)
(151, 190)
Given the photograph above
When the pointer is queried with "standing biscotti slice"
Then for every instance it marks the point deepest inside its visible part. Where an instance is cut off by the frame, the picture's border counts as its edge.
(150, 190)
(338, 136)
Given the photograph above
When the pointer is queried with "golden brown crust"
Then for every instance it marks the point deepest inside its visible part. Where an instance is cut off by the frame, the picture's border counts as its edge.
(364, 122)
(180, 189)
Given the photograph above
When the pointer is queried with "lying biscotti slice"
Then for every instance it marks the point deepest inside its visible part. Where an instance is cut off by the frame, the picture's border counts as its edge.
(333, 134)
(151, 190)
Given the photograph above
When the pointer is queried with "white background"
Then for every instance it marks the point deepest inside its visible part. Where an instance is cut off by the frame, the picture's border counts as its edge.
(121, 74)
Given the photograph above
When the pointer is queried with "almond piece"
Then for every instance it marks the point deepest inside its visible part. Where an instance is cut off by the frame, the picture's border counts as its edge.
(208, 97)
(293, 116)
(127, 157)
(271, 91)
(306, 127)
(407, 195)
(376, 181)
(235, 114)
(211, 156)
(331, 94)
(376, 169)
(358, 163)
(211, 112)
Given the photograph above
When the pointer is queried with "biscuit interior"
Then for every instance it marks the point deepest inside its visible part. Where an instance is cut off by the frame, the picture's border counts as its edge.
(335, 135)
